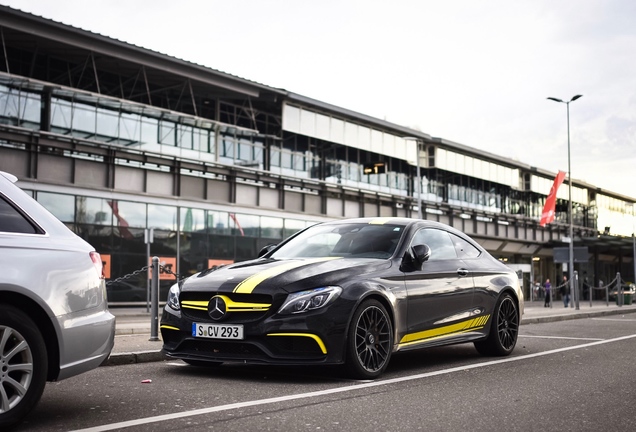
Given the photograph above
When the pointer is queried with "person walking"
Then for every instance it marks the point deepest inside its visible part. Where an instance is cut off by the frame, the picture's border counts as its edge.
(565, 291)
(548, 293)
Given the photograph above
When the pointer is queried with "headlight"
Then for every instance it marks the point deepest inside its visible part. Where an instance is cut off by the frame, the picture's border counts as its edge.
(309, 300)
(173, 297)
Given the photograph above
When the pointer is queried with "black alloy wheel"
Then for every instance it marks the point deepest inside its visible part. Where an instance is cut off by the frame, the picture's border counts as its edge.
(504, 329)
(370, 341)
(23, 365)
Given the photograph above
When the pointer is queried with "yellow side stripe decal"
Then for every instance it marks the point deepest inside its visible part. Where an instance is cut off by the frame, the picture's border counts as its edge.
(322, 346)
(462, 327)
(248, 285)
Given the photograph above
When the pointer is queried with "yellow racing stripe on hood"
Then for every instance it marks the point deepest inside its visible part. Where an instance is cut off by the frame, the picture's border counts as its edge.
(248, 285)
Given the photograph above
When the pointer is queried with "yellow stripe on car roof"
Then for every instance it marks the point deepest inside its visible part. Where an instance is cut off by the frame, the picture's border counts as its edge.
(248, 285)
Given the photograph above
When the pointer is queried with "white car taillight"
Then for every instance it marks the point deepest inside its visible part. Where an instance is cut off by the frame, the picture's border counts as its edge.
(97, 262)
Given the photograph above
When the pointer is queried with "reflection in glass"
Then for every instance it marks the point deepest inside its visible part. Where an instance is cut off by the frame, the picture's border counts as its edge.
(271, 227)
(218, 222)
(129, 214)
(162, 217)
(93, 211)
(192, 219)
(62, 206)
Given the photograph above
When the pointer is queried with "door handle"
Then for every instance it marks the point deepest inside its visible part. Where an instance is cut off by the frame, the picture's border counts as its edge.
(462, 272)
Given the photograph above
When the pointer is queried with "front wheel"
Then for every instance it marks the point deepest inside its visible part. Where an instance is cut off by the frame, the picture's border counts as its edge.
(504, 329)
(23, 365)
(370, 341)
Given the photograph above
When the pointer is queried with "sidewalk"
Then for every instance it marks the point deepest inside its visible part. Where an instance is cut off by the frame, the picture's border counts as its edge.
(133, 326)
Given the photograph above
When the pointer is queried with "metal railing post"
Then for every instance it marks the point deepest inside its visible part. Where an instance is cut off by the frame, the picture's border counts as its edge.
(154, 300)
(575, 289)
(619, 290)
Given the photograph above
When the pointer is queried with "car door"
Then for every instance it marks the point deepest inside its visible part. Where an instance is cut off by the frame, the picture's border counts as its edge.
(441, 292)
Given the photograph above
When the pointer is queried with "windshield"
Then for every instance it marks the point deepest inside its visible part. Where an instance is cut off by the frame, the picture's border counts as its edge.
(360, 240)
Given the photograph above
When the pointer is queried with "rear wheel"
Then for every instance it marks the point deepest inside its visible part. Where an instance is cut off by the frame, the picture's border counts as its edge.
(504, 329)
(23, 365)
(370, 341)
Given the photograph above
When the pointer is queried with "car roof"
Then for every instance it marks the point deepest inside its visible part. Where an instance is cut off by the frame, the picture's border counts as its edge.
(8, 176)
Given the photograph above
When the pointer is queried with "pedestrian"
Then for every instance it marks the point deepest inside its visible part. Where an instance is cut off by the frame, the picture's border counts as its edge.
(565, 291)
(547, 287)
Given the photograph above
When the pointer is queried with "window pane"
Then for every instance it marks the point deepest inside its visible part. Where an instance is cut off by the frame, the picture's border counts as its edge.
(62, 206)
(272, 227)
(93, 211)
(192, 220)
(129, 214)
(245, 225)
(162, 217)
(218, 222)
(12, 220)
(439, 241)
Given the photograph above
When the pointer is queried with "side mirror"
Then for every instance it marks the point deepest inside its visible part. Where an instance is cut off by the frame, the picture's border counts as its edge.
(267, 249)
(414, 257)
(421, 253)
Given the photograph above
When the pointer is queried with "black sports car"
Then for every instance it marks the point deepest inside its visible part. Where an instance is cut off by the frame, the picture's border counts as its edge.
(347, 292)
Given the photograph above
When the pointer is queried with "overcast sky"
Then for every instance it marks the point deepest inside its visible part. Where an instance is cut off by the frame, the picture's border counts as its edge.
(473, 72)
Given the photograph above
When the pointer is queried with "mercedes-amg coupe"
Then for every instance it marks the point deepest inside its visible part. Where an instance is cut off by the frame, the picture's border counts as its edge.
(347, 292)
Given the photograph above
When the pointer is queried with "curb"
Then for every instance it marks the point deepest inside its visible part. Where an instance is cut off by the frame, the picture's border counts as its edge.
(119, 359)
(573, 316)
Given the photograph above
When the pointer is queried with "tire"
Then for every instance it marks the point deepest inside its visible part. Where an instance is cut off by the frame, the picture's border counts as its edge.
(203, 363)
(504, 329)
(23, 365)
(369, 341)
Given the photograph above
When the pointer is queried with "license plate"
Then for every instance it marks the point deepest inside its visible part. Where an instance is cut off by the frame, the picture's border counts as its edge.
(217, 331)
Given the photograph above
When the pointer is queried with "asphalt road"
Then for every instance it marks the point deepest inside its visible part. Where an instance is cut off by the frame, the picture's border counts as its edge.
(573, 375)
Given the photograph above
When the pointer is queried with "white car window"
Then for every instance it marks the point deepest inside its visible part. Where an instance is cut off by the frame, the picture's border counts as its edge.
(11, 220)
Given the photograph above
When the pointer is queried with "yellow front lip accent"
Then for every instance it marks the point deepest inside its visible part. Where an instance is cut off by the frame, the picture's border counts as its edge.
(322, 346)
(445, 331)
(248, 285)
(169, 327)
(231, 306)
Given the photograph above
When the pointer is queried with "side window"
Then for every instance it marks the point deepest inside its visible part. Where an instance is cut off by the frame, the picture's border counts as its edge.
(442, 248)
(11, 220)
(464, 249)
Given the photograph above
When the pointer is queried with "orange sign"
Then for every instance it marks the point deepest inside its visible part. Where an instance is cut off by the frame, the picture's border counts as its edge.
(167, 266)
(212, 263)
(106, 265)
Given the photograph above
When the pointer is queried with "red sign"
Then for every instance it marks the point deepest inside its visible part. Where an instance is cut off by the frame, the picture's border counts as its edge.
(167, 266)
(106, 265)
(547, 215)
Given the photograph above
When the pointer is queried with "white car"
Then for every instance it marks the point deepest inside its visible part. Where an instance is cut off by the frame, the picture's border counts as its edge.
(54, 318)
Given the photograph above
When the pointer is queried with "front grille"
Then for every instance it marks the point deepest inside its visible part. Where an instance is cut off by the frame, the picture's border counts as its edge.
(200, 314)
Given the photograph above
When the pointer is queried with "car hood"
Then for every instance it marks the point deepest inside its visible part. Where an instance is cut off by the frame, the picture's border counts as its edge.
(266, 276)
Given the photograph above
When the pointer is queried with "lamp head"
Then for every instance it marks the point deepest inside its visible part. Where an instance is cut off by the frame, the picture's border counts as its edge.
(575, 98)
(555, 99)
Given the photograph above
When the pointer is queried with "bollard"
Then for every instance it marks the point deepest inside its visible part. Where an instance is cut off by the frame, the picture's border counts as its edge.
(619, 290)
(154, 300)
(575, 290)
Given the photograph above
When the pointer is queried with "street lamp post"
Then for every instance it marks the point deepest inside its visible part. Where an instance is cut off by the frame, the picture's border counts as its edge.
(575, 296)
(634, 240)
